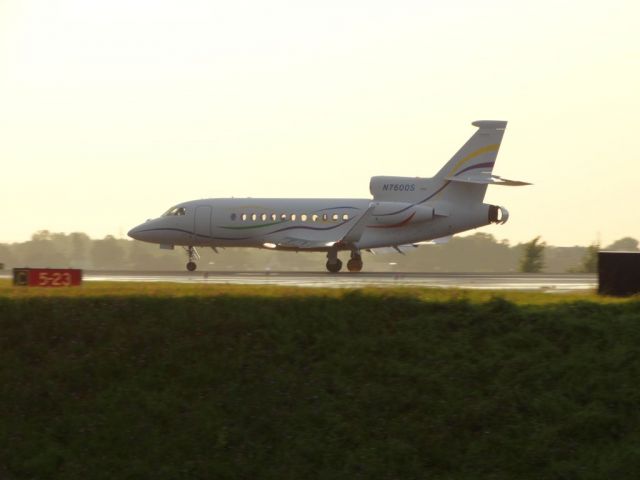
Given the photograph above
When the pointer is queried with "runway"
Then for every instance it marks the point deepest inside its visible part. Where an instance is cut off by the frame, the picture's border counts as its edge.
(482, 281)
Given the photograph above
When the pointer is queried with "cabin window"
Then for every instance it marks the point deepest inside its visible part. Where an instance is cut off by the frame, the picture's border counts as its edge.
(283, 217)
(345, 216)
(254, 217)
(325, 217)
(293, 217)
(244, 217)
(314, 218)
(175, 211)
(334, 217)
(233, 217)
(303, 217)
(274, 217)
(263, 217)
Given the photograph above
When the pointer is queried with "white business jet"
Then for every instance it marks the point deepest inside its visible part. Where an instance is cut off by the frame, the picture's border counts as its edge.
(404, 212)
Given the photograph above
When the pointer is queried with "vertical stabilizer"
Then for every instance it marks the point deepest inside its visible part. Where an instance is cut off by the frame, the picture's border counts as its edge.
(463, 179)
(477, 158)
(479, 154)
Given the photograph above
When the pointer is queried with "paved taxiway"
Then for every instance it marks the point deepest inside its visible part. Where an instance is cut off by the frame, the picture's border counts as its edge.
(486, 281)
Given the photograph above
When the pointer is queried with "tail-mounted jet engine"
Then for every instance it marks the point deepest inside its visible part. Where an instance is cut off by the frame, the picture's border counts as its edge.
(498, 215)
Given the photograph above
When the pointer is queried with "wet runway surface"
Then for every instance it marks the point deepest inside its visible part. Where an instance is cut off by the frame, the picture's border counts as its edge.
(485, 281)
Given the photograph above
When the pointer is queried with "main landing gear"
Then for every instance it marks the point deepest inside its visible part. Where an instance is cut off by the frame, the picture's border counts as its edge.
(355, 262)
(193, 255)
(334, 264)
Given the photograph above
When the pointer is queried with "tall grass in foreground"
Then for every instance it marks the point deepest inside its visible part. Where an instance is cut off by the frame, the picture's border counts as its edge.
(165, 289)
(288, 383)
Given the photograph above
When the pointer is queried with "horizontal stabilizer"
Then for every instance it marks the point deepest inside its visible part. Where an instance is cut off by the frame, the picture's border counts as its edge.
(488, 180)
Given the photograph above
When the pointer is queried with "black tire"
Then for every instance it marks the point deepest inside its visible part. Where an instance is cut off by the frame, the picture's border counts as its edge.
(191, 266)
(354, 265)
(334, 267)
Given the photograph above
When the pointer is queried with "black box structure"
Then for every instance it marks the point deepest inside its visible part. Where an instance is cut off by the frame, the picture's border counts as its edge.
(618, 273)
(21, 276)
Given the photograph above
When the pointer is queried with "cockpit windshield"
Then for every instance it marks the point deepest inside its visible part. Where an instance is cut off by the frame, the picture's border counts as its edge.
(175, 211)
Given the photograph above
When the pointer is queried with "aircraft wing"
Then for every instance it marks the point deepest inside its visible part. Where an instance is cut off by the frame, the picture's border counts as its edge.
(302, 243)
(351, 237)
(408, 247)
(402, 249)
(441, 240)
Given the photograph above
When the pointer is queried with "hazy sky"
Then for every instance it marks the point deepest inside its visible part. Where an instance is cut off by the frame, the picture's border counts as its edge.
(112, 111)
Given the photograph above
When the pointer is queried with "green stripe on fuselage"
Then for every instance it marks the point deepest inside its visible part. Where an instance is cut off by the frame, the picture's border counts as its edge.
(253, 226)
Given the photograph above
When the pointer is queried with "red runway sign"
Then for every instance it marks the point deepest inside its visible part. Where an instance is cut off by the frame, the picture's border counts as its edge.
(47, 277)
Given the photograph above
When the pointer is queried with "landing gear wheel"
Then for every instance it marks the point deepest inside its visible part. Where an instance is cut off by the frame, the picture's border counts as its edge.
(354, 265)
(193, 255)
(334, 267)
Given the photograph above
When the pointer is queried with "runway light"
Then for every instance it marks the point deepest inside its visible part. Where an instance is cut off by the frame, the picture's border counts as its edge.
(269, 245)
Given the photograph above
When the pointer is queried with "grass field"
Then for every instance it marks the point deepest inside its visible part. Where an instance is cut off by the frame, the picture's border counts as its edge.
(200, 381)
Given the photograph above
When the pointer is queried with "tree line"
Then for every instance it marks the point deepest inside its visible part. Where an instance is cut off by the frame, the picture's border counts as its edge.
(480, 252)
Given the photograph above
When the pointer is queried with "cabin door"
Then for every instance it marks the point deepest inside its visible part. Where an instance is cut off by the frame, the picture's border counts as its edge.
(202, 224)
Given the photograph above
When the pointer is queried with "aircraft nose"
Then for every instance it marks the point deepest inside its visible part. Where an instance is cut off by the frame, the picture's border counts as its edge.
(135, 232)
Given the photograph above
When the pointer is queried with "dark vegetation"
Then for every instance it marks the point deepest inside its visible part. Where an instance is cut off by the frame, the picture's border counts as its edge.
(402, 384)
(480, 252)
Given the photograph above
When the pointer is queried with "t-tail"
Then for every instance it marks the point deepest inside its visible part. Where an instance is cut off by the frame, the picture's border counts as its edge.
(461, 184)
(462, 180)
(470, 170)
(478, 155)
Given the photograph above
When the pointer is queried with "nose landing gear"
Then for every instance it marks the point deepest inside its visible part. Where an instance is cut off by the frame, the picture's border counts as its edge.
(193, 255)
